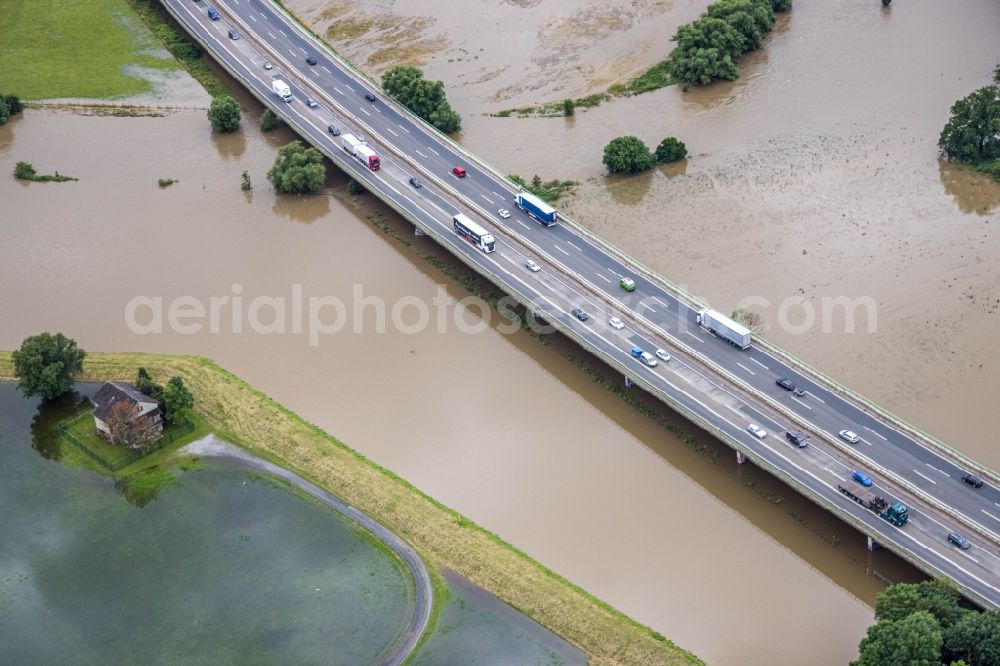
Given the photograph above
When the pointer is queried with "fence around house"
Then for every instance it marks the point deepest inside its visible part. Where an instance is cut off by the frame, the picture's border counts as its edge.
(170, 435)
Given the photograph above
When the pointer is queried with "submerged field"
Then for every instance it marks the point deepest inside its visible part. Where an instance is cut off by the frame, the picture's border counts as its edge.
(204, 564)
(77, 48)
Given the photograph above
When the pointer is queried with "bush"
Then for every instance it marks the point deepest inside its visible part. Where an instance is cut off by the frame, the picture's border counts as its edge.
(245, 184)
(24, 171)
(297, 170)
(269, 121)
(166, 182)
(426, 99)
(354, 187)
(569, 107)
(627, 154)
(9, 105)
(185, 51)
(224, 114)
(671, 150)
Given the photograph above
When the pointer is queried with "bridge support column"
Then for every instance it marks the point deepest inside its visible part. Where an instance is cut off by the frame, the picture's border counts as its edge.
(629, 382)
(740, 458)
(873, 545)
(418, 232)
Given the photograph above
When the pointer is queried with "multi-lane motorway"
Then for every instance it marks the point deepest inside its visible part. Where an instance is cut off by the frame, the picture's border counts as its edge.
(718, 386)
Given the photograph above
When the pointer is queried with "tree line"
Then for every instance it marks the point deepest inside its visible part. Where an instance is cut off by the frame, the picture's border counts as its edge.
(972, 134)
(708, 48)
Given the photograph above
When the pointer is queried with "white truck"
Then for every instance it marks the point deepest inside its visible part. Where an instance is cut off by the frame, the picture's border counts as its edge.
(360, 151)
(725, 328)
(281, 89)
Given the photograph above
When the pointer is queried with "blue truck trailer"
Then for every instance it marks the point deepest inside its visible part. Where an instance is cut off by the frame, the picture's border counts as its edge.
(536, 208)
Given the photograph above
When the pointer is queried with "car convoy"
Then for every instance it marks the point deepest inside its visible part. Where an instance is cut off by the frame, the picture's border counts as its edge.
(718, 324)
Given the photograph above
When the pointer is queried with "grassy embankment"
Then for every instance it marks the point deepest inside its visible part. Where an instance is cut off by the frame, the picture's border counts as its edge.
(82, 49)
(239, 413)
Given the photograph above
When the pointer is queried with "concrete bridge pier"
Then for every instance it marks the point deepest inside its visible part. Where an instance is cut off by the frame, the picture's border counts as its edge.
(873, 545)
(629, 382)
(740, 458)
(418, 232)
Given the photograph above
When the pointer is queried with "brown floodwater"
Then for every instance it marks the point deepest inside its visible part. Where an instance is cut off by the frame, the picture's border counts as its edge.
(813, 177)
(500, 427)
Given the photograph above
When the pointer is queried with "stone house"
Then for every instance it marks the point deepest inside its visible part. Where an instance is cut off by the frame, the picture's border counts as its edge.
(113, 393)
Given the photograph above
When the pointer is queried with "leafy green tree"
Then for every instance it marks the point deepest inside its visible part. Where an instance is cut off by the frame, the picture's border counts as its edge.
(146, 385)
(224, 114)
(913, 641)
(974, 638)
(426, 99)
(269, 121)
(297, 170)
(246, 185)
(627, 154)
(706, 50)
(898, 601)
(940, 599)
(24, 171)
(973, 132)
(177, 400)
(781, 5)
(45, 365)
(569, 107)
(752, 19)
(671, 150)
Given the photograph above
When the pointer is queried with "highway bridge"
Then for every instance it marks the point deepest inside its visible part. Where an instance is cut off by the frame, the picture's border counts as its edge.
(719, 387)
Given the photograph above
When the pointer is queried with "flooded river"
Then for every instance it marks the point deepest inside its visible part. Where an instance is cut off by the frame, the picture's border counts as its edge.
(502, 428)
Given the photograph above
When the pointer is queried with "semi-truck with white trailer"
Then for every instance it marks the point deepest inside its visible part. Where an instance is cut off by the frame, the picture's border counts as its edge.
(725, 328)
(536, 208)
(361, 151)
(281, 89)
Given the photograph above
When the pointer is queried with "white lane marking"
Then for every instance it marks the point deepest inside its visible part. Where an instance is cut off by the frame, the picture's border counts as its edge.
(694, 336)
(760, 364)
(877, 434)
(434, 151)
(348, 86)
(801, 403)
(862, 439)
(498, 194)
(990, 514)
(400, 125)
(660, 302)
(816, 396)
(616, 272)
(733, 409)
(604, 278)
(313, 72)
(925, 477)
(271, 34)
(389, 130)
(421, 154)
(522, 224)
(486, 197)
(746, 368)
(339, 91)
(366, 111)
(327, 69)
(936, 469)
(282, 32)
(684, 377)
(997, 503)
(252, 17)
(561, 250)
(571, 243)
(648, 308)
(292, 52)
(379, 109)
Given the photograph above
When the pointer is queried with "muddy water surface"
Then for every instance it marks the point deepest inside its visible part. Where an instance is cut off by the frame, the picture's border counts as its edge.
(812, 181)
(499, 427)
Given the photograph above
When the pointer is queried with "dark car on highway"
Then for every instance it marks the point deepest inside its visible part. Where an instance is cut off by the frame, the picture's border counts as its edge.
(311, 60)
(415, 182)
(959, 540)
(785, 384)
(580, 314)
(333, 129)
(797, 438)
(370, 97)
(972, 480)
